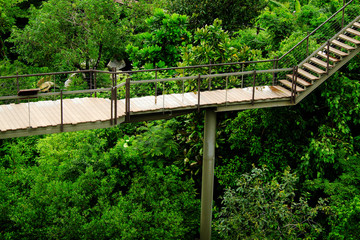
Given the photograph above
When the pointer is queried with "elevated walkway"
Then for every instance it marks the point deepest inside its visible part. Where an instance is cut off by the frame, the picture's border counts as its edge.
(44, 117)
(296, 82)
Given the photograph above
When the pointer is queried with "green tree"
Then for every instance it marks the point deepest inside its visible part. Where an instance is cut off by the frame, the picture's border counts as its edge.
(235, 14)
(264, 208)
(160, 46)
(9, 10)
(64, 34)
(80, 186)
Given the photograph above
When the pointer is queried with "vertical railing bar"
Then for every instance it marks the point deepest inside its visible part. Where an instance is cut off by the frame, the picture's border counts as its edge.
(307, 44)
(111, 105)
(198, 83)
(226, 90)
(292, 85)
(115, 99)
(91, 80)
(17, 85)
(156, 85)
(274, 74)
(253, 93)
(183, 86)
(54, 86)
(95, 82)
(113, 76)
(295, 84)
(29, 112)
(242, 76)
(210, 74)
(61, 112)
(127, 99)
(183, 90)
(328, 58)
(163, 97)
(343, 15)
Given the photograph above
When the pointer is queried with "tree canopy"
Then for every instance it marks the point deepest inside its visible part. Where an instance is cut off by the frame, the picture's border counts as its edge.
(143, 180)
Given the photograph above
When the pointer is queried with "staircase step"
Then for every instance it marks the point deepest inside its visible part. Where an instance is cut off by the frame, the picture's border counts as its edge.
(289, 85)
(338, 52)
(307, 75)
(324, 55)
(353, 31)
(313, 68)
(342, 45)
(320, 62)
(356, 24)
(349, 39)
(299, 80)
(284, 90)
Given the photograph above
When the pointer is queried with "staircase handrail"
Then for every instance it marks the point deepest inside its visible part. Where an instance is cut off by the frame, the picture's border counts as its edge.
(316, 29)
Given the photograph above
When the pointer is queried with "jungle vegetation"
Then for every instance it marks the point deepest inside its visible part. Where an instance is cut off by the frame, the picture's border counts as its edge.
(281, 173)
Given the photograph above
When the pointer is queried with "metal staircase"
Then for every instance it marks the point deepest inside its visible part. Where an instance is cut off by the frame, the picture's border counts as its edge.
(324, 62)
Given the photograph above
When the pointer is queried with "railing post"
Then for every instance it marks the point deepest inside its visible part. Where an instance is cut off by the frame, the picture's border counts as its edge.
(242, 76)
(307, 45)
(29, 112)
(115, 99)
(226, 90)
(113, 77)
(210, 74)
(328, 57)
(95, 82)
(296, 77)
(54, 86)
(61, 112)
(343, 15)
(163, 95)
(111, 106)
(91, 85)
(294, 84)
(198, 83)
(274, 74)
(253, 93)
(156, 85)
(127, 100)
(17, 84)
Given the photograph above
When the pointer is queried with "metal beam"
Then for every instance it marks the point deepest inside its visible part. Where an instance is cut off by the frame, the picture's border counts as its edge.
(207, 188)
(57, 129)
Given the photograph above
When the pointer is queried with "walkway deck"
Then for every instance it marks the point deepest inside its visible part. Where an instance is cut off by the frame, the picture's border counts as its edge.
(91, 113)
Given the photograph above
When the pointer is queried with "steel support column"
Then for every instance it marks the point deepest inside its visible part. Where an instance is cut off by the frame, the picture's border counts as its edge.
(207, 187)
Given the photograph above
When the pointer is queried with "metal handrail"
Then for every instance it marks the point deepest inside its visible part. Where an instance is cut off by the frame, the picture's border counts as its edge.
(14, 97)
(316, 29)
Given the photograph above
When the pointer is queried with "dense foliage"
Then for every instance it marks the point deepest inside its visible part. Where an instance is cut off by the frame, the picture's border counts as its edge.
(272, 212)
(142, 180)
(235, 14)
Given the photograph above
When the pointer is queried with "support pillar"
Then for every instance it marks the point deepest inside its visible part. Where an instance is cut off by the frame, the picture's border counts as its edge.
(207, 188)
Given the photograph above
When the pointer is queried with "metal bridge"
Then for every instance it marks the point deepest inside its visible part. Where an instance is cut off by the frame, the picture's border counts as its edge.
(234, 90)
(277, 82)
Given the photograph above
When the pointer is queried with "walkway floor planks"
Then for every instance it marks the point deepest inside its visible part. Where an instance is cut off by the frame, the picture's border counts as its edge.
(78, 111)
